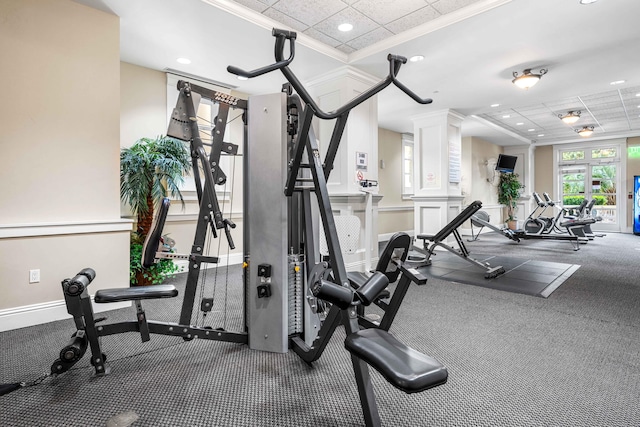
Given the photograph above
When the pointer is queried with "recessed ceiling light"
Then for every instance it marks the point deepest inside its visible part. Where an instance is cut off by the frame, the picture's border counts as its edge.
(416, 58)
(531, 130)
(617, 82)
(242, 78)
(506, 116)
(495, 105)
(519, 124)
(587, 1)
(345, 27)
(184, 61)
(637, 94)
(541, 134)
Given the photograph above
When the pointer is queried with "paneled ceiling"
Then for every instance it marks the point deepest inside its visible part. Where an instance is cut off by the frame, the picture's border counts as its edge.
(372, 20)
(471, 49)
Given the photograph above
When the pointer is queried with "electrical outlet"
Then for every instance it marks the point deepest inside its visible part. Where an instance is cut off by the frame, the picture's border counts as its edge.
(34, 276)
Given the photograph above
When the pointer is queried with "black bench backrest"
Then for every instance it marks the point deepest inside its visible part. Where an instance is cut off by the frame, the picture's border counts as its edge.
(457, 221)
(397, 247)
(152, 242)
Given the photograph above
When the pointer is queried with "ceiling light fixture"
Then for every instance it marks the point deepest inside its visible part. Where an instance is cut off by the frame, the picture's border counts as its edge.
(528, 79)
(506, 116)
(345, 27)
(519, 124)
(617, 82)
(531, 130)
(541, 134)
(416, 58)
(184, 61)
(242, 78)
(587, 1)
(495, 105)
(571, 117)
(585, 131)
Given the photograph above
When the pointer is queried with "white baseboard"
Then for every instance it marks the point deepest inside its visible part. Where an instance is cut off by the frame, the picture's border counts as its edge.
(37, 314)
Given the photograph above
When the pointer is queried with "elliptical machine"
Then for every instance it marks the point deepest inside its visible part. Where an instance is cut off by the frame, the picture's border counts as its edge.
(536, 223)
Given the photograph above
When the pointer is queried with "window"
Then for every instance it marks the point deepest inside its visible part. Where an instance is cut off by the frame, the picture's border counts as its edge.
(407, 164)
(603, 153)
(573, 155)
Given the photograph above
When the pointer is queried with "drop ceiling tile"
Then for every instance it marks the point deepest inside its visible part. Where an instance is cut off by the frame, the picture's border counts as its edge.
(256, 5)
(385, 11)
(405, 23)
(285, 19)
(308, 12)
(370, 38)
(322, 37)
(346, 49)
(447, 6)
(361, 25)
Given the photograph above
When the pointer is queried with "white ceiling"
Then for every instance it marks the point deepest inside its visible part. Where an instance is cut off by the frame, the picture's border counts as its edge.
(471, 49)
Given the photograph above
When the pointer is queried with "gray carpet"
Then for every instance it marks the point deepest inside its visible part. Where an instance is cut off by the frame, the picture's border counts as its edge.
(514, 360)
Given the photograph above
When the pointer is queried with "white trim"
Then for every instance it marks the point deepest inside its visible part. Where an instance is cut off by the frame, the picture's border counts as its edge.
(344, 71)
(60, 228)
(37, 314)
(507, 132)
(395, 208)
(392, 42)
(386, 236)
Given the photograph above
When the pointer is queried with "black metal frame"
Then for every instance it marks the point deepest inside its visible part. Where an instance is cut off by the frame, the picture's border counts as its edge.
(298, 182)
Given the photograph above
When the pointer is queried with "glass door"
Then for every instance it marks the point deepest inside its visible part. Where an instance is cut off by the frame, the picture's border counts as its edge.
(592, 174)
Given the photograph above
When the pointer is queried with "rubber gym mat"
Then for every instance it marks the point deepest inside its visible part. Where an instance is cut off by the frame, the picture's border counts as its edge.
(529, 277)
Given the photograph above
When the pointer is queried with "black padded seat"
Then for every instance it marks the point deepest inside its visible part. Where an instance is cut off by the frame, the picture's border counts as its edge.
(358, 278)
(137, 293)
(404, 367)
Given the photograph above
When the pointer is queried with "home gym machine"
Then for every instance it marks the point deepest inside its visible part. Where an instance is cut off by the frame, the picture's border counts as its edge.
(293, 298)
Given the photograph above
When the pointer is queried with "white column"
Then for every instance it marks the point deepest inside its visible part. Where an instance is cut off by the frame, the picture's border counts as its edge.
(437, 170)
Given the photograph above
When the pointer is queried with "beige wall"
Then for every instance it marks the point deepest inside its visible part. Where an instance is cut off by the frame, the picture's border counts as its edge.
(59, 138)
(395, 214)
(479, 188)
(143, 103)
(543, 170)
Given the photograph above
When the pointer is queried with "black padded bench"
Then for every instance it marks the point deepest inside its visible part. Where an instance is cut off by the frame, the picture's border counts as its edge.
(452, 228)
(135, 294)
(404, 367)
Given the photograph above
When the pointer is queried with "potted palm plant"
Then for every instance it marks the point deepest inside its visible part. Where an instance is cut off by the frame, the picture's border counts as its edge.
(149, 170)
(508, 195)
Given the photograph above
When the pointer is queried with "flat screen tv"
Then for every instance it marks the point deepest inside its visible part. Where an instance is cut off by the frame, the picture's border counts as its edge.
(506, 163)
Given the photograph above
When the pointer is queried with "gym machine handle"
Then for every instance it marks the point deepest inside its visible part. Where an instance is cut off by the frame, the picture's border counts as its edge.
(395, 62)
(280, 36)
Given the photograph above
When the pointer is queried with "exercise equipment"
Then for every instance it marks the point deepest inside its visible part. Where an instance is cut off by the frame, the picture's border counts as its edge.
(284, 276)
(480, 219)
(573, 225)
(438, 240)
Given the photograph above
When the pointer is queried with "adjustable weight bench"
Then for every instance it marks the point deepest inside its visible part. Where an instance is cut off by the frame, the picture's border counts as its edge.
(452, 228)
(391, 264)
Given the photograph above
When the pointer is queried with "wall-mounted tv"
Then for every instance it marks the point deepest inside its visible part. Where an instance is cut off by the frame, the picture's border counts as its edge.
(506, 163)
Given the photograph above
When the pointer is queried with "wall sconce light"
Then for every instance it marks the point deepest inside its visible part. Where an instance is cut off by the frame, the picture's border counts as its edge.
(571, 117)
(585, 131)
(527, 79)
